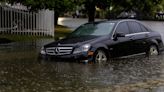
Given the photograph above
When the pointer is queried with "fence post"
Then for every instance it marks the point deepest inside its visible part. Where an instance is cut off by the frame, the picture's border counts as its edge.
(53, 24)
(0, 18)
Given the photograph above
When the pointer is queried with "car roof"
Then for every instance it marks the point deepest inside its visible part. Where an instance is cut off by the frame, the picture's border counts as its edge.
(122, 20)
(116, 21)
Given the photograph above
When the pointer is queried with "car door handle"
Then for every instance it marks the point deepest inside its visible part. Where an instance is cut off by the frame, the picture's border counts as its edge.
(146, 35)
(131, 38)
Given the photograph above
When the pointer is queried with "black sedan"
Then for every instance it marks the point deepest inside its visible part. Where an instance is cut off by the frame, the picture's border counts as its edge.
(100, 41)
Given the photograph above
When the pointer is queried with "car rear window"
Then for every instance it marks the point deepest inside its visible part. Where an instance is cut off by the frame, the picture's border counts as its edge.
(143, 28)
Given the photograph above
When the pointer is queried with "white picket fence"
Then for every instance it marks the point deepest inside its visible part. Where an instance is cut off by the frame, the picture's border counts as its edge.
(24, 22)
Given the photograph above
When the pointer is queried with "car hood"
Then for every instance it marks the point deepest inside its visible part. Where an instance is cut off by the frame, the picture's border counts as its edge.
(73, 41)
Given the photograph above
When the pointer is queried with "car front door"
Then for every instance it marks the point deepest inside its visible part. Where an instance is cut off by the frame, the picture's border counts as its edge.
(121, 45)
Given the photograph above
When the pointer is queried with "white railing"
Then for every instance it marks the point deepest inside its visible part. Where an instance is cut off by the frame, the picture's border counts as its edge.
(24, 22)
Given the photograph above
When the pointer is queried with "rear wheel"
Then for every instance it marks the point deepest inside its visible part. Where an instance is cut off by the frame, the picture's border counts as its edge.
(100, 57)
(153, 51)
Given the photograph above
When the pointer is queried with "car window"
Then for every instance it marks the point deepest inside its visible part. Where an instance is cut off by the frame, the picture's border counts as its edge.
(134, 27)
(122, 28)
(143, 28)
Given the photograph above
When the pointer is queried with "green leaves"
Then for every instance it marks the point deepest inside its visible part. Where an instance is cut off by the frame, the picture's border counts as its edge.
(57, 5)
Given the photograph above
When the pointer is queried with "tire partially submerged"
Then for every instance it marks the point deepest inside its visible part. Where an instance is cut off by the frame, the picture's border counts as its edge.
(153, 51)
(100, 57)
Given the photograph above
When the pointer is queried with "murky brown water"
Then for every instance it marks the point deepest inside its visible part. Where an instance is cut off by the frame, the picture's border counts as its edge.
(20, 71)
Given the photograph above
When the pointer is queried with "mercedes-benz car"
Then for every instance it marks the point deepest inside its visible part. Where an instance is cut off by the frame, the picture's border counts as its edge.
(100, 41)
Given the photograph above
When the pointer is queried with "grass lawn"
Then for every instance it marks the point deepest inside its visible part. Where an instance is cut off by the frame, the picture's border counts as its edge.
(22, 37)
(60, 31)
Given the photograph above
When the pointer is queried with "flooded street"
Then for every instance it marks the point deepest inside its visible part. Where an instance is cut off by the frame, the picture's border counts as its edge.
(21, 71)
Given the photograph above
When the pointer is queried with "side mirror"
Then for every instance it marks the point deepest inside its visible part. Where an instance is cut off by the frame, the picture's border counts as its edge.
(116, 35)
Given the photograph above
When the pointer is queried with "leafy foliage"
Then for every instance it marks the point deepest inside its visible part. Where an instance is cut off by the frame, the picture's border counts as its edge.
(144, 8)
(141, 7)
(57, 5)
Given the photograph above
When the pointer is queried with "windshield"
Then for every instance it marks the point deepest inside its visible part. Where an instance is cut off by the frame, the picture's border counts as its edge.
(94, 29)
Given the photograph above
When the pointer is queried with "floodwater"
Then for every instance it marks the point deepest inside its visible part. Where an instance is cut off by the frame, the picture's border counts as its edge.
(21, 71)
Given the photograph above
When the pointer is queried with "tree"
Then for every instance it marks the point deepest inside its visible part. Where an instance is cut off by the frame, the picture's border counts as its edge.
(146, 8)
(61, 6)
(91, 5)
(143, 8)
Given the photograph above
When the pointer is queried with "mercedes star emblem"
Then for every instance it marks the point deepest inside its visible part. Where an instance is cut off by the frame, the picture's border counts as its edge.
(56, 50)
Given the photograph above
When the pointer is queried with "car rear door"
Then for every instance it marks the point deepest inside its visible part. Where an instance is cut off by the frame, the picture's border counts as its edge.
(137, 36)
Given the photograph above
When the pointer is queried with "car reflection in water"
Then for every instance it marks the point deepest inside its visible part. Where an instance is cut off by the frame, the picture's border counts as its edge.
(100, 41)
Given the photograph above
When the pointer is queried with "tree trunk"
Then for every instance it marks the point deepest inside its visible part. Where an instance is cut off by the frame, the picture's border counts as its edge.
(56, 18)
(91, 13)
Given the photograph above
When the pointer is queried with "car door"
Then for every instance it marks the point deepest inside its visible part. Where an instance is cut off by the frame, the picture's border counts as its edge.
(137, 36)
(121, 46)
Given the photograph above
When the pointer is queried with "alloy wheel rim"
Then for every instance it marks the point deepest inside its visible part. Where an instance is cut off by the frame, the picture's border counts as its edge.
(153, 51)
(101, 57)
